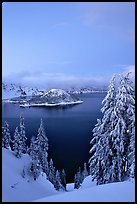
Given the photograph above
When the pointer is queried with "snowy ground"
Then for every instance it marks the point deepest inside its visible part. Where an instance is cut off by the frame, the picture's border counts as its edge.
(114, 192)
(16, 188)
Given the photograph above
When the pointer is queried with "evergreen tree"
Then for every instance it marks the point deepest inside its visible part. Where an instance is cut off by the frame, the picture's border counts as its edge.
(42, 144)
(96, 160)
(131, 155)
(57, 183)
(63, 178)
(35, 167)
(77, 180)
(6, 136)
(17, 143)
(22, 134)
(33, 148)
(102, 146)
(125, 110)
(110, 144)
(52, 172)
(84, 172)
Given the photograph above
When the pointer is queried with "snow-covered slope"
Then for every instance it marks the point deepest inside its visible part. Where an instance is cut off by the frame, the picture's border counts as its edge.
(13, 90)
(15, 187)
(57, 93)
(89, 192)
(58, 96)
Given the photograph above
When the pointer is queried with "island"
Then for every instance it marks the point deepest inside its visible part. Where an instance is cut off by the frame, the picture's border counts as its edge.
(52, 98)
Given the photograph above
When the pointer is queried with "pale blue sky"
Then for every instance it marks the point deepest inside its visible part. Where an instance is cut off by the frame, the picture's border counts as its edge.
(55, 44)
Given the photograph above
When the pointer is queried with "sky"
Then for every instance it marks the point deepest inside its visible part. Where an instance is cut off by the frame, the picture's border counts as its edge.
(62, 44)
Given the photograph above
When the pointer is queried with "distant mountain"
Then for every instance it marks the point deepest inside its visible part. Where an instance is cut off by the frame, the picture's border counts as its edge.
(10, 91)
(83, 90)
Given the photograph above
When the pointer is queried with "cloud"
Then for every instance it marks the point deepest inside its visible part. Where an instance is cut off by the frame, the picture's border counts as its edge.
(130, 68)
(55, 80)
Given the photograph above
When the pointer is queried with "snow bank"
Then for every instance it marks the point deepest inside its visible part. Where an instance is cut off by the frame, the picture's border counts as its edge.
(114, 192)
(15, 187)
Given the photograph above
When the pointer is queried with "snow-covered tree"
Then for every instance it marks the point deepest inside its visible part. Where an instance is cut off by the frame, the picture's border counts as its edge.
(57, 183)
(110, 143)
(22, 134)
(125, 110)
(42, 144)
(63, 178)
(35, 168)
(77, 179)
(84, 172)
(52, 172)
(33, 148)
(17, 143)
(6, 136)
(96, 167)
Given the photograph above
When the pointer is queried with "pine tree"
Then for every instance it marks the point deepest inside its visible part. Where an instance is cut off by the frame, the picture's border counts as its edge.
(77, 179)
(42, 144)
(131, 155)
(63, 178)
(110, 144)
(102, 143)
(84, 172)
(32, 148)
(52, 172)
(96, 160)
(35, 167)
(57, 183)
(125, 109)
(22, 134)
(17, 143)
(6, 136)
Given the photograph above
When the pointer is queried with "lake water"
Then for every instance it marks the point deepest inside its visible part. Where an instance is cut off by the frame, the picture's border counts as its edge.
(69, 130)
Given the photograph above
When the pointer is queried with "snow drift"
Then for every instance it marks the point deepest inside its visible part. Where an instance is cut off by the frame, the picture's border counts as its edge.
(15, 188)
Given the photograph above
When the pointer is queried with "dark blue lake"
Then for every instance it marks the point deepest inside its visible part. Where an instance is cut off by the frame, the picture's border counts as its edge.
(69, 130)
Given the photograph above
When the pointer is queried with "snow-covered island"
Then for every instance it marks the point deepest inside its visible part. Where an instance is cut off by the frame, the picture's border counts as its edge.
(54, 97)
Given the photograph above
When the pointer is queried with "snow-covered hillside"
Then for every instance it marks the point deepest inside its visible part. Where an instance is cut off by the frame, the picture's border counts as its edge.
(85, 90)
(16, 188)
(114, 192)
(57, 93)
(11, 90)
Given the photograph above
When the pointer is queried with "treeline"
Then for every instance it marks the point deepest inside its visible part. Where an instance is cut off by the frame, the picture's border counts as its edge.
(113, 143)
(38, 151)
